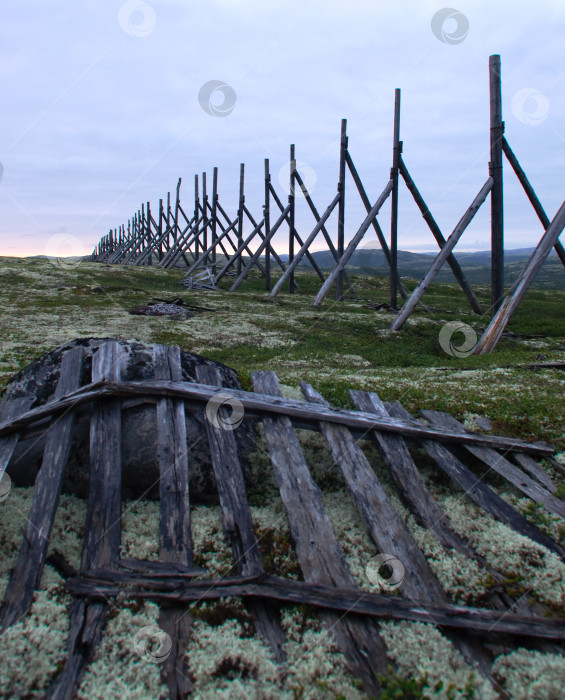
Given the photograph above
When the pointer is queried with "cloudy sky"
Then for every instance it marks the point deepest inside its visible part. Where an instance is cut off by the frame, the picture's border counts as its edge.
(102, 111)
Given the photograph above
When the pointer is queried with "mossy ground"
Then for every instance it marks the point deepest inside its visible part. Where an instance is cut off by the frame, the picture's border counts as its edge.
(335, 347)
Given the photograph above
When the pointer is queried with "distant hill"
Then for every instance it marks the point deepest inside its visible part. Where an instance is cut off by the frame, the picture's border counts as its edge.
(476, 265)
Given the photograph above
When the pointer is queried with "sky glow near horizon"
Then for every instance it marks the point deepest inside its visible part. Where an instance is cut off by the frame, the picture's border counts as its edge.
(102, 112)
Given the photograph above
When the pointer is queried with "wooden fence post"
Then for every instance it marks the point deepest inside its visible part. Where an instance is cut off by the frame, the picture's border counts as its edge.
(214, 219)
(205, 220)
(240, 212)
(396, 151)
(496, 196)
(149, 241)
(291, 215)
(341, 206)
(267, 219)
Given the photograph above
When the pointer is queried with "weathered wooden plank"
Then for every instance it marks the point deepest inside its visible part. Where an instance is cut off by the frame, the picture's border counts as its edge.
(317, 548)
(337, 272)
(492, 334)
(175, 540)
(407, 478)
(257, 404)
(31, 557)
(502, 466)
(386, 527)
(87, 620)
(442, 256)
(10, 410)
(237, 520)
(479, 492)
(103, 526)
(379, 605)
(102, 529)
(388, 530)
(535, 471)
(438, 235)
(497, 194)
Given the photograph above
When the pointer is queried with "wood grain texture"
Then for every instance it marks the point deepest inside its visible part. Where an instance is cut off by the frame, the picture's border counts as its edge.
(478, 491)
(528, 486)
(171, 587)
(237, 521)
(33, 551)
(175, 538)
(317, 548)
(257, 405)
(102, 525)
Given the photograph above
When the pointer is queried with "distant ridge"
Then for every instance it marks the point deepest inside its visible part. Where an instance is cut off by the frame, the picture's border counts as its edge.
(475, 265)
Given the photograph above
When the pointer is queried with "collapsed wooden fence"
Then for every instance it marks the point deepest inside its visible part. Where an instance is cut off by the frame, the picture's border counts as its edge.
(174, 582)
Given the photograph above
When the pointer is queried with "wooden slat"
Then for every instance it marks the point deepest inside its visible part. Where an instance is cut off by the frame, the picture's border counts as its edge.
(389, 531)
(102, 525)
(414, 492)
(478, 491)
(257, 404)
(26, 575)
(407, 478)
(385, 526)
(496, 327)
(380, 605)
(534, 470)
(317, 548)
(10, 410)
(175, 540)
(238, 523)
(502, 466)
(442, 256)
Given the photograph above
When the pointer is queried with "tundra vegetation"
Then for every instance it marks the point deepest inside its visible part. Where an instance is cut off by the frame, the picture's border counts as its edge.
(335, 347)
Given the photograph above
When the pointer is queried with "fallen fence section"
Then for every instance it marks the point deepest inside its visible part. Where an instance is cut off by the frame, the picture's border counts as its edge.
(173, 582)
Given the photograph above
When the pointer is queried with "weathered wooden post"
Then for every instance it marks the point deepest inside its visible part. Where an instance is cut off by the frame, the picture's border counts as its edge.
(267, 217)
(177, 205)
(240, 212)
(291, 215)
(496, 196)
(149, 241)
(160, 230)
(205, 220)
(341, 206)
(214, 219)
(396, 151)
(196, 215)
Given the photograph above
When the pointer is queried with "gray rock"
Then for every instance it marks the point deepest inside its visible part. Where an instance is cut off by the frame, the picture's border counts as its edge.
(140, 471)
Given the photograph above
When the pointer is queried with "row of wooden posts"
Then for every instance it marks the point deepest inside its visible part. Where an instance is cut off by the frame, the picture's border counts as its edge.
(175, 237)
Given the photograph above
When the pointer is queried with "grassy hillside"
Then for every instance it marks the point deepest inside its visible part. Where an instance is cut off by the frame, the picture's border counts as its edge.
(335, 347)
(339, 346)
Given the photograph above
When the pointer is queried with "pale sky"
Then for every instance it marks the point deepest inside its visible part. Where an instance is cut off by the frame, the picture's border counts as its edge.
(101, 109)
